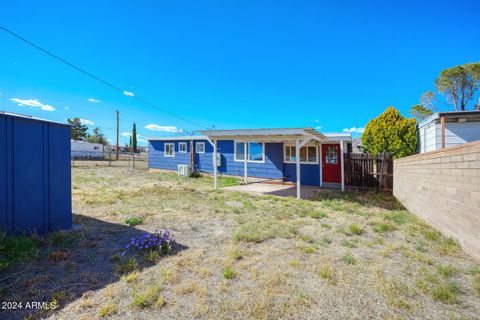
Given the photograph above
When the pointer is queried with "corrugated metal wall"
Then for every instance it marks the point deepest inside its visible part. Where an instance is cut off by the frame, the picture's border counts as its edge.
(35, 175)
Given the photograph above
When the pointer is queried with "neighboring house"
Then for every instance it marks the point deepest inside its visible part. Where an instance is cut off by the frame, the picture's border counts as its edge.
(261, 153)
(86, 150)
(448, 129)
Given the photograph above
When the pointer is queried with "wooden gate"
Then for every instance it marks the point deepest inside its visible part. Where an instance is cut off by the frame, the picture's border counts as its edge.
(367, 171)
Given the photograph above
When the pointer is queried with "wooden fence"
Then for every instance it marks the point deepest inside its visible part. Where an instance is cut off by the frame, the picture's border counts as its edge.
(367, 171)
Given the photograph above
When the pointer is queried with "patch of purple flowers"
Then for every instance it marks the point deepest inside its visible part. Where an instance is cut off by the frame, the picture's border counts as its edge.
(159, 240)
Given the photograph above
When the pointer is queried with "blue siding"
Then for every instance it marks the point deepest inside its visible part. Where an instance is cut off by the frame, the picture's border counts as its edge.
(35, 182)
(272, 168)
(157, 159)
(310, 173)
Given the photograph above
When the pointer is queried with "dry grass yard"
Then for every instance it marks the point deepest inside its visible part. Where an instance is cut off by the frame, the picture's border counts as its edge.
(241, 256)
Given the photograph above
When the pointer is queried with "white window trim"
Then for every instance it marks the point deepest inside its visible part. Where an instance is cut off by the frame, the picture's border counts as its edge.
(301, 162)
(180, 149)
(248, 148)
(235, 151)
(165, 150)
(196, 147)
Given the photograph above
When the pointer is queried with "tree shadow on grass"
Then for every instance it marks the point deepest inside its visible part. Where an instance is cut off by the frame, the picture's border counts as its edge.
(69, 264)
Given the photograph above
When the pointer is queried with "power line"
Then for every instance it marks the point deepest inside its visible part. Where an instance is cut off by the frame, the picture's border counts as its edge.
(89, 74)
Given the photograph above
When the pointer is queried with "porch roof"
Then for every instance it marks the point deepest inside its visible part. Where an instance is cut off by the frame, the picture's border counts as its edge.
(272, 134)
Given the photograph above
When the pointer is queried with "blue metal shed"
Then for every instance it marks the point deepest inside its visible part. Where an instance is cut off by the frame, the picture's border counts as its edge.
(35, 175)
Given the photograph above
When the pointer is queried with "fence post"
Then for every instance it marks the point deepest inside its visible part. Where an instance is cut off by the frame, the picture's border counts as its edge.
(133, 159)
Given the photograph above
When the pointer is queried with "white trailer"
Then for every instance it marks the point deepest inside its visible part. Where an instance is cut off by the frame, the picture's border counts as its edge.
(86, 150)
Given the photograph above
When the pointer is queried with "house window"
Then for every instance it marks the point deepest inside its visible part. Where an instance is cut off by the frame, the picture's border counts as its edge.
(290, 154)
(96, 148)
(308, 154)
(200, 147)
(169, 150)
(182, 147)
(331, 157)
(256, 152)
(239, 151)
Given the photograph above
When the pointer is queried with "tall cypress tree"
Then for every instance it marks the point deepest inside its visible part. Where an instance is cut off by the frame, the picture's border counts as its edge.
(134, 137)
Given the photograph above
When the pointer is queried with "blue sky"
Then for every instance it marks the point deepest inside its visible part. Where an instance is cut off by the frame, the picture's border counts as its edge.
(232, 64)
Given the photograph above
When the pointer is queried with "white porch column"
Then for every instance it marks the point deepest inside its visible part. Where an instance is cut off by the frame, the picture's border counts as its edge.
(342, 160)
(215, 182)
(245, 168)
(320, 164)
(297, 161)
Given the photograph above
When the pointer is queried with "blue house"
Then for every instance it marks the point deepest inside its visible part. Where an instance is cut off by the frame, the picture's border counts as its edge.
(300, 155)
(35, 176)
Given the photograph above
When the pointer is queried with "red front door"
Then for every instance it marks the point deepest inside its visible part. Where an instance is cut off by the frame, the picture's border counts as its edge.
(331, 170)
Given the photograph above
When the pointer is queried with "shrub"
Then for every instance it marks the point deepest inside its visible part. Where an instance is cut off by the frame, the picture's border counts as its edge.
(446, 294)
(228, 273)
(326, 272)
(349, 259)
(148, 297)
(325, 241)
(384, 227)
(446, 271)
(15, 249)
(391, 132)
(126, 266)
(161, 241)
(309, 250)
(134, 221)
(355, 229)
(108, 310)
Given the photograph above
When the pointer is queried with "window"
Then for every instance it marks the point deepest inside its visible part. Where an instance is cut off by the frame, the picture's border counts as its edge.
(239, 151)
(308, 154)
(96, 148)
(255, 151)
(290, 154)
(200, 147)
(182, 147)
(169, 150)
(331, 157)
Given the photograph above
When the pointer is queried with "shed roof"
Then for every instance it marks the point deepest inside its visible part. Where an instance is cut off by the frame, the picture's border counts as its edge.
(27, 117)
(449, 115)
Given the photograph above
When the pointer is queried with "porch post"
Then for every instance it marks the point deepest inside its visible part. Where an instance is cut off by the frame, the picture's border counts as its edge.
(215, 182)
(320, 164)
(297, 160)
(342, 165)
(245, 168)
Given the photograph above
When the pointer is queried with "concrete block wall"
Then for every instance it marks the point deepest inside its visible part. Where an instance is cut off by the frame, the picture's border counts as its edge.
(443, 188)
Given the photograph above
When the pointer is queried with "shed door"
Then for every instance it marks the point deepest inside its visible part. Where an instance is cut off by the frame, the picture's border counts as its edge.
(331, 170)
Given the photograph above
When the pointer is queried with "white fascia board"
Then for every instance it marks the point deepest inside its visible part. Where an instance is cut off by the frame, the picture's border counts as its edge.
(176, 138)
(338, 136)
(265, 134)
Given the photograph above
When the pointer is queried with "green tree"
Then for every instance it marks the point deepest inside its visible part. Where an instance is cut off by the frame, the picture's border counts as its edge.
(79, 131)
(391, 132)
(459, 84)
(97, 137)
(134, 137)
(420, 112)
